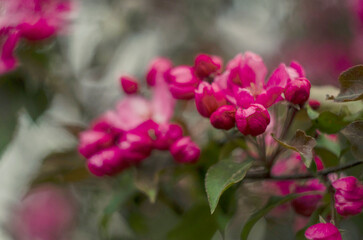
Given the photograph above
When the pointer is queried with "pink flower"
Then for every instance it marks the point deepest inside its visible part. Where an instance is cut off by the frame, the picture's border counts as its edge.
(46, 213)
(205, 65)
(307, 204)
(298, 91)
(208, 98)
(166, 134)
(314, 104)
(185, 151)
(158, 70)
(30, 19)
(182, 82)
(224, 117)
(107, 162)
(129, 84)
(348, 196)
(323, 231)
(91, 141)
(252, 120)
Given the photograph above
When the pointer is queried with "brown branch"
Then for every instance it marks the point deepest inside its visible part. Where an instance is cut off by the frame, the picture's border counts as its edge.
(325, 172)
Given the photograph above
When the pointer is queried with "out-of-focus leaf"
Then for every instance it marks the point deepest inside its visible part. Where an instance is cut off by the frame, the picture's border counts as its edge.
(312, 113)
(197, 223)
(221, 176)
(354, 133)
(230, 146)
(273, 202)
(302, 144)
(329, 159)
(329, 122)
(351, 82)
(323, 141)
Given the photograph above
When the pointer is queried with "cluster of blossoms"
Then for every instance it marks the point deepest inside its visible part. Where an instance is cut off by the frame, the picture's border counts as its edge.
(33, 20)
(126, 136)
(239, 96)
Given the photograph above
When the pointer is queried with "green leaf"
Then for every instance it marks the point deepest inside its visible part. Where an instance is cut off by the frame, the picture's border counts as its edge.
(354, 133)
(329, 122)
(221, 176)
(273, 202)
(302, 144)
(312, 113)
(197, 223)
(351, 82)
(329, 159)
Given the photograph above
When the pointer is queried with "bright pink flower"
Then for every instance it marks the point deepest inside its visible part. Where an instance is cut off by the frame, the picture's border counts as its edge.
(129, 84)
(208, 98)
(158, 70)
(252, 120)
(91, 141)
(224, 117)
(182, 82)
(205, 65)
(298, 91)
(245, 80)
(306, 205)
(166, 134)
(314, 104)
(185, 151)
(348, 196)
(323, 231)
(107, 162)
(8, 42)
(46, 213)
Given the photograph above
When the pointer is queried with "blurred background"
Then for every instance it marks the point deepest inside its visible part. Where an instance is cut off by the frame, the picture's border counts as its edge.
(64, 82)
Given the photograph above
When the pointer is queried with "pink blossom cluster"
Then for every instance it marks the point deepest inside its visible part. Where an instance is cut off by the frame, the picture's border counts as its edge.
(239, 96)
(348, 196)
(304, 205)
(32, 20)
(127, 135)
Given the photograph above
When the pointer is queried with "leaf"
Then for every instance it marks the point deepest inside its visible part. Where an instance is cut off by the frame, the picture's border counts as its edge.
(330, 123)
(221, 176)
(312, 113)
(329, 159)
(354, 133)
(302, 144)
(351, 82)
(273, 202)
(197, 223)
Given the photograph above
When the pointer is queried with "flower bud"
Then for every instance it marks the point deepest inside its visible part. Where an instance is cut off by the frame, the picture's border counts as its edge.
(182, 82)
(323, 231)
(91, 142)
(314, 104)
(297, 91)
(107, 162)
(158, 69)
(224, 117)
(348, 196)
(129, 84)
(205, 65)
(166, 135)
(7, 59)
(208, 98)
(252, 120)
(185, 151)
(135, 146)
(307, 204)
(39, 30)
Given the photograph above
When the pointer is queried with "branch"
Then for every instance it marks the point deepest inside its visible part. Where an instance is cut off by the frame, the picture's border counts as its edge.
(325, 172)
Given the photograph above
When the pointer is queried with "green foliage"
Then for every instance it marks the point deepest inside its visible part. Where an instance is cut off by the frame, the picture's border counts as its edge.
(354, 133)
(302, 144)
(223, 175)
(351, 82)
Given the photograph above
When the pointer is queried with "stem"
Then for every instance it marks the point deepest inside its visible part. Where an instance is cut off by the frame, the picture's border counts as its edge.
(266, 176)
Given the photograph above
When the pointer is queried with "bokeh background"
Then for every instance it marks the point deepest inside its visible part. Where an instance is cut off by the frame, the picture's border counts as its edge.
(64, 82)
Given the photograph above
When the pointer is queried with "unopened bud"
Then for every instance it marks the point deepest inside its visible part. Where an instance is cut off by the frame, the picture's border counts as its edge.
(224, 117)
(298, 91)
(205, 65)
(182, 82)
(208, 98)
(129, 84)
(158, 69)
(252, 120)
(185, 150)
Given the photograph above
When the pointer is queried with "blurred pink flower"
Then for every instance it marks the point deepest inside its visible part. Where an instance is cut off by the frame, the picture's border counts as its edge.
(323, 231)
(46, 213)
